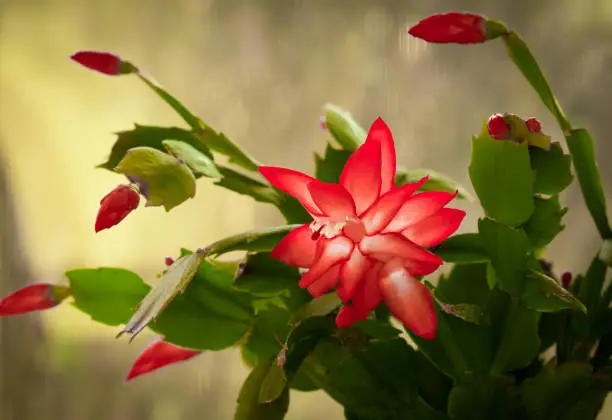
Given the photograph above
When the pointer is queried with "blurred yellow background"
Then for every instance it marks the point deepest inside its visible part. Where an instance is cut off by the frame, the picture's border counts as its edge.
(259, 71)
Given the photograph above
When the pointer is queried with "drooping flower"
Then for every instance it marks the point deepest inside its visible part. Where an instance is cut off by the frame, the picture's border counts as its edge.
(103, 62)
(457, 28)
(35, 297)
(368, 236)
(115, 206)
(157, 355)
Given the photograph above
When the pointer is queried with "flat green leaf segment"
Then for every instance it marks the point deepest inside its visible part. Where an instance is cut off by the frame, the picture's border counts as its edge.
(436, 182)
(503, 179)
(343, 128)
(261, 381)
(197, 161)
(163, 179)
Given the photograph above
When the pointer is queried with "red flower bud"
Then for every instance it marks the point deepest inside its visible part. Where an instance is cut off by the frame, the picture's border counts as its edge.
(34, 297)
(498, 127)
(115, 206)
(323, 123)
(457, 28)
(169, 261)
(158, 355)
(453, 27)
(103, 62)
(533, 125)
(566, 280)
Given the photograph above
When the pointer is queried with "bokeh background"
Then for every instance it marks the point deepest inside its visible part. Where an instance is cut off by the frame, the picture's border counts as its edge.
(259, 70)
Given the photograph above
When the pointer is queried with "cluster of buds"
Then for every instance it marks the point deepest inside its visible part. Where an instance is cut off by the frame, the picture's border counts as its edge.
(513, 128)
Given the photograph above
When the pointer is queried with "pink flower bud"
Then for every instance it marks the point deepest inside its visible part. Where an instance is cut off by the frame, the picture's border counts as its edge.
(34, 297)
(498, 127)
(115, 206)
(158, 355)
(103, 62)
(169, 261)
(533, 125)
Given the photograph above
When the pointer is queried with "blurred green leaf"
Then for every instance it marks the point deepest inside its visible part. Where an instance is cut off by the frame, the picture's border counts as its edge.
(519, 342)
(247, 185)
(483, 400)
(108, 295)
(508, 248)
(581, 147)
(553, 171)
(605, 252)
(249, 407)
(302, 341)
(526, 63)
(465, 248)
(329, 167)
(436, 182)
(502, 178)
(273, 384)
(377, 330)
(264, 276)
(162, 178)
(591, 287)
(546, 222)
(321, 306)
(197, 161)
(263, 239)
(567, 392)
(173, 282)
(343, 128)
(269, 326)
(150, 136)
(545, 294)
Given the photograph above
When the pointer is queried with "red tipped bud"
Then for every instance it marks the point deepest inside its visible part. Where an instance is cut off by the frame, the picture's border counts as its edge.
(498, 127)
(158, 355)
(34, 297)
(116, 205)
(103, 62)
(457, 28)
(566, 280)
(169, 261)
(323, 122)
(533, 125)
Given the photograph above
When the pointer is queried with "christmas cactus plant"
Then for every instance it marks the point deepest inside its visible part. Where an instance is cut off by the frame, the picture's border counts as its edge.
(338, 299)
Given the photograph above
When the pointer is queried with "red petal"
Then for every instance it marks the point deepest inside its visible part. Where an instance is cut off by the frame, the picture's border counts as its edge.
(331, 252)
(384, 210)
(436, 228)
(353, 271)
(332, 199)
(388, 246)
(367, 296)
(361, 175)
(100, 61)
(293, 183)
(408, 300)
(34, 297)
(380, 133)
(115, 206)
(325, 282)
(158, 355)
(348, 315)
(297, 248)
(417, 208)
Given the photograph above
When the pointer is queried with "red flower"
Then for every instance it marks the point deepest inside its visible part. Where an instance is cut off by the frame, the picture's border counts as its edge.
(115, 206)
(34, 297)
(100, 61)
(533, 125)
(367, 236)
(498, 127)
(453, 27)
(157, 355)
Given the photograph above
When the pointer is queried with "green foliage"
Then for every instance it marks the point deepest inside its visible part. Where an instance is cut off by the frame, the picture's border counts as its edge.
(163, 179)
(498, 307)
(503, 179)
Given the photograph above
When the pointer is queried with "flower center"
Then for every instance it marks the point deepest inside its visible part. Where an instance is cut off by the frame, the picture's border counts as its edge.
(351, 227)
